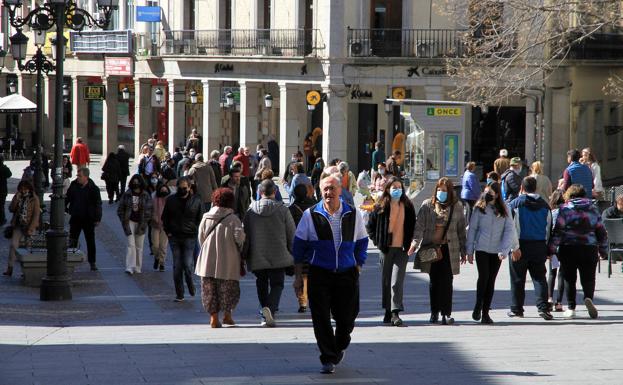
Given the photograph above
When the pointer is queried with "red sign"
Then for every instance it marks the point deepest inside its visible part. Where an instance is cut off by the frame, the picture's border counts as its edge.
(121, 66)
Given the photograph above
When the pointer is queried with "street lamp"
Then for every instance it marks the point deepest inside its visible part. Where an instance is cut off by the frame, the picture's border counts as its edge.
(159, 94)
(12, 87)
(60, 14)
(268, 101)
(311, 107)
(66, 93)
(229, 99)
(125, 93)
(387, 105)
(193, 97)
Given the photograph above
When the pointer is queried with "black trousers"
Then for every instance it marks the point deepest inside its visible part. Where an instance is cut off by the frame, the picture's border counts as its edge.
(574, 258)
(2, 204)
(269, 285)
(533, 257)
(488, 266)
(88, 228)
(551, 282)
(112, 188)
(122, 184)
(337, 294)
(440, 286)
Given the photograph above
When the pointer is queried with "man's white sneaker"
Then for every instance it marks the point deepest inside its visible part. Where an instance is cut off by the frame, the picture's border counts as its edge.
(268, 317)
(590, 306)
(570, 314)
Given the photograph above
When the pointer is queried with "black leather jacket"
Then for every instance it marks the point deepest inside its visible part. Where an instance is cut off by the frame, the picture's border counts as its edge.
(181, 217)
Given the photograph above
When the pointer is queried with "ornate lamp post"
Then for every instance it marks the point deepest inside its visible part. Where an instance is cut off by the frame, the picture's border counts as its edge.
(60, 14)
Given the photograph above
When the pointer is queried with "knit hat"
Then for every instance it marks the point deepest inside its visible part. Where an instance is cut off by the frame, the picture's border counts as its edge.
(504, 152)
(515, 161)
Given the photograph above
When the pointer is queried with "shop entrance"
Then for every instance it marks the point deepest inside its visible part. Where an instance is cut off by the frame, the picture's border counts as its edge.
(366, 136)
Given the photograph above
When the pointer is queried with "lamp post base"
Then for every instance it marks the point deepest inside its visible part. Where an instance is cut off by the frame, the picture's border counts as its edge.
(55, 288)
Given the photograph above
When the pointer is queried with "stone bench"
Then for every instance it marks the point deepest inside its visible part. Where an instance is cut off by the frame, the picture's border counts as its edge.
(34, 263)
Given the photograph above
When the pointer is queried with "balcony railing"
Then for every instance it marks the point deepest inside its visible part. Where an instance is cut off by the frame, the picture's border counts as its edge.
(243, 42)
(101, 42)
(599, 46)
(418, 43)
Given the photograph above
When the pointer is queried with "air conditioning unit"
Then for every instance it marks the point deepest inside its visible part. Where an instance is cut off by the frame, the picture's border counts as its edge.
(359, 47)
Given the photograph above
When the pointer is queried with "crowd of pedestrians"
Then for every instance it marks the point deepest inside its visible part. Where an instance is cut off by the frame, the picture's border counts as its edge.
(225, 215)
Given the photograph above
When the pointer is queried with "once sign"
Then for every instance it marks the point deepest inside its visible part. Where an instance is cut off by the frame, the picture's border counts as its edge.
(443, 111)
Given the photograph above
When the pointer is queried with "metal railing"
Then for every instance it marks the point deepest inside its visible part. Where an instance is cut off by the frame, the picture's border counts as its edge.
(242, 42)
(599, 46)
(419, 43)
(101, 42)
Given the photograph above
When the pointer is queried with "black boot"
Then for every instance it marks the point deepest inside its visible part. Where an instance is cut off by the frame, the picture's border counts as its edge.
(477, 313)
(156, 263)
(434, 318)
(485, 318)
(9, 271)
(388, 317)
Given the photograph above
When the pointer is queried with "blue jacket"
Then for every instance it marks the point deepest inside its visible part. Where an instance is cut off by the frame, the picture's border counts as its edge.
(533, 218)
(471, 186)
(313, 240)
(577, 173)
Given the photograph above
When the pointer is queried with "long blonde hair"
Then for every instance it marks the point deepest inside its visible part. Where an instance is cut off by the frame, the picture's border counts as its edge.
(537, 168)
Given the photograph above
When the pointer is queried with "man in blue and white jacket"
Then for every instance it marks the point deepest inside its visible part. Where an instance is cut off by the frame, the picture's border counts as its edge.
(331, 237)
(533, 221)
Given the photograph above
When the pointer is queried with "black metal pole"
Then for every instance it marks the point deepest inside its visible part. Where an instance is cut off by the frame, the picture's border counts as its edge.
(56, 284)
(38, 145)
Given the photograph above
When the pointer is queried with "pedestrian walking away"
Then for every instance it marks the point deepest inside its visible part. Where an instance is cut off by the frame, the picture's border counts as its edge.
(25, 221)
(501, 164)
(181, 217)
(511, 180)
(533, 224)
(577, 173)
(80, 154)
(84, 205)
(440, 224)
(555, 201)
(5, 174)
(124, 163)
(579, 236)
(111, 174)
(470, 188)
(204, 179)
(390, 227)
(219, 265)
(134, 211)
(331, 237)
(241, 188)
(490, 237)
(543, 183)
(269, 229)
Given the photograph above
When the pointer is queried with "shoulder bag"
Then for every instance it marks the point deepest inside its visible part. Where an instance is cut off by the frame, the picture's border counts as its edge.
(431, 252)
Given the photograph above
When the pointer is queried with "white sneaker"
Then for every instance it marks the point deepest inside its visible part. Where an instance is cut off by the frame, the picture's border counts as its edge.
(590, 306)
(268, 317)
(570, 314)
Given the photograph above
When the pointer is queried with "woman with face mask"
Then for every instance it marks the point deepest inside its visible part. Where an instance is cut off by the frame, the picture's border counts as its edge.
(380, 178)
(135, 212)
(491, 236)
(26, 210)
(390, 227)
(441, 224)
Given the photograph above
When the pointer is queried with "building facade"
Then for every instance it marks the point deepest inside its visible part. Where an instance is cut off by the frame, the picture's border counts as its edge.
(355, 54)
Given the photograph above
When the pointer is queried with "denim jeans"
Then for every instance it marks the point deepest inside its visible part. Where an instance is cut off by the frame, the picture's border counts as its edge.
(269, 283)
(182, 250)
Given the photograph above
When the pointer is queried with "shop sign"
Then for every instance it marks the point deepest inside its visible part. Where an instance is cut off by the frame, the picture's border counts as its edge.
(218, 67)
(119, 66)
(148, 14)
(443, 111)
(94, 92)
(357, 93)
(429, 71)
(313, 97)
(399, 93)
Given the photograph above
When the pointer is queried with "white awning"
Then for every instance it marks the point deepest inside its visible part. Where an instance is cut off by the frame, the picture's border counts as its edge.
(16, 103)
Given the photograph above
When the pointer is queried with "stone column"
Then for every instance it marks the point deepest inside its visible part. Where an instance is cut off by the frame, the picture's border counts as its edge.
(177, 114)
(110, 125)
(334, 138)
(249, 115)
(142, 113)
(79, 109)
(288, 124)
(49, 112)
(530, 139)
(211, 116)
(560, 131)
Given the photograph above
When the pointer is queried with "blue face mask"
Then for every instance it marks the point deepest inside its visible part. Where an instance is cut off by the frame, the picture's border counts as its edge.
(442, 196)
(395, 193)
(489, 181)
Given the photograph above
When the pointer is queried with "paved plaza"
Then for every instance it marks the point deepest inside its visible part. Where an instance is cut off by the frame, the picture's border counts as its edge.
(122, 329)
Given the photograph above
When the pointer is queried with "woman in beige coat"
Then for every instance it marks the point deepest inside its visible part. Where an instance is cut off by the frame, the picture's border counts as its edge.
(219, 263)
(430, 228)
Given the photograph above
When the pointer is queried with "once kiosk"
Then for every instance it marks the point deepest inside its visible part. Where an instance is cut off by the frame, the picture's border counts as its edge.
(432, 142)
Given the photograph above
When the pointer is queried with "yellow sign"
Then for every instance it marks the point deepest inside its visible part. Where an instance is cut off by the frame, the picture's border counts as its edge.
(399, 93)
(443, 111)
(313, 97)
(94, 92)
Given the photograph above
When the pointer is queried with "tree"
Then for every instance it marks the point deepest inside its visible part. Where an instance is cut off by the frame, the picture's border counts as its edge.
(510, 46)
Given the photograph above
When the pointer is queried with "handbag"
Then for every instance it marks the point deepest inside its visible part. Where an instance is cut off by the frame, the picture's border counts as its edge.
(431, 252)
(8, 232)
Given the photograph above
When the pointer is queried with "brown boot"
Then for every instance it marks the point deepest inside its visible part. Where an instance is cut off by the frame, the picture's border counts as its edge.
(227, 320)
(9, 271)
(214, 322)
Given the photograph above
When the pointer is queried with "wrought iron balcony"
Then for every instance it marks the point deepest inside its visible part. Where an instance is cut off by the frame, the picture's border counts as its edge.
(242, 42)
(101, 42)
(418, 43)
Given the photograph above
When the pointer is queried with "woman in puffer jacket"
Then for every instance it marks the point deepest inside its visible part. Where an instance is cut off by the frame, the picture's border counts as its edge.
(491, 236)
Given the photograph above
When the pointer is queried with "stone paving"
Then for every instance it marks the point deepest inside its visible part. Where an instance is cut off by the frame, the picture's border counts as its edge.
(127, 330)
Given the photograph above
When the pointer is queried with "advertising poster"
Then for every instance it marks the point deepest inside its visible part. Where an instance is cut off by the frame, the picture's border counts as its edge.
(451, 154)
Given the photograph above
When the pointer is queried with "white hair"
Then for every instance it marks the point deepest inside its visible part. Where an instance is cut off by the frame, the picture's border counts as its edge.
(332, 178)
(342, 166)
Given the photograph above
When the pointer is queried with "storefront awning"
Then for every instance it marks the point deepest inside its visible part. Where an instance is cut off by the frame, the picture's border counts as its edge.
(15, 104)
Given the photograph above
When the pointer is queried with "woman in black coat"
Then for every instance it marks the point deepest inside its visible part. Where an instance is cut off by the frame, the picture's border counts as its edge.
(111, 174)
(390, 227)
